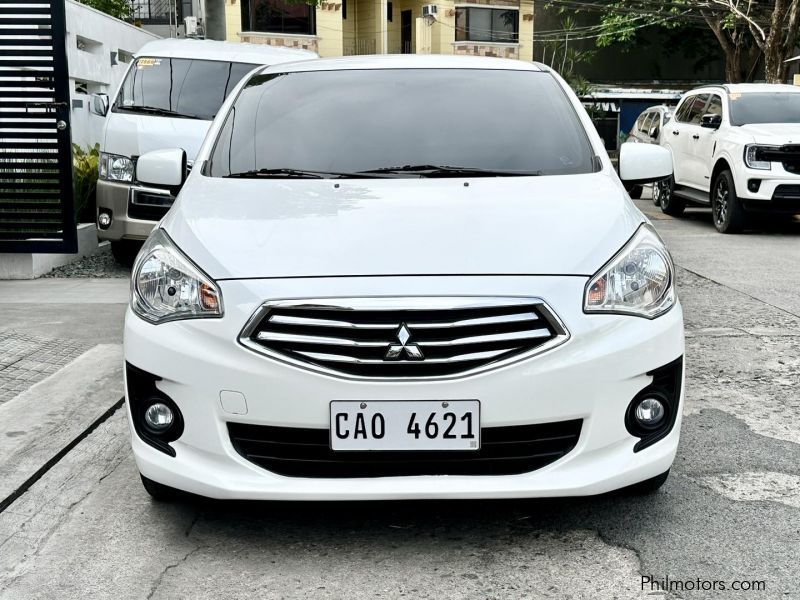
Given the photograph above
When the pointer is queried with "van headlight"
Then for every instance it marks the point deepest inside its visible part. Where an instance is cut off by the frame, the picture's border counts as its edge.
(167, 286)
(639, 280)
(114, 167)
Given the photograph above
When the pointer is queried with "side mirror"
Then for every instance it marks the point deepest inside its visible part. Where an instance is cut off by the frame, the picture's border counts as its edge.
(98, 104)
(643, 163)
(711, 121)
(654, 132)
(162, 168)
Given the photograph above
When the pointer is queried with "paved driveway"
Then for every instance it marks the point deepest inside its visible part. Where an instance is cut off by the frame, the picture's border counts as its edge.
(730, 511)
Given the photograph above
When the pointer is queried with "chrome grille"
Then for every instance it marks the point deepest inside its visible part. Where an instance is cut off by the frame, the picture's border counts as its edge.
(403, 337)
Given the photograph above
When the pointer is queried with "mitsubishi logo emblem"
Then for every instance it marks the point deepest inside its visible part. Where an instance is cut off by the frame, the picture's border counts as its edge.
(403, 349)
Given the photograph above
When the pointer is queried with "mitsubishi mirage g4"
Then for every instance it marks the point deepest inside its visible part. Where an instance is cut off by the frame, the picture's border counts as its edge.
(402, 278)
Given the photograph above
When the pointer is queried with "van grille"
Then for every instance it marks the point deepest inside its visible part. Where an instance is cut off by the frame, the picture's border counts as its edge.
(403, 337)
(295, 452)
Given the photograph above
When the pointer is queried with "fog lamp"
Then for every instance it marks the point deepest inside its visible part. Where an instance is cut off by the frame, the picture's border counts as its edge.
(104, 220)
(649, 412)
(159, 417)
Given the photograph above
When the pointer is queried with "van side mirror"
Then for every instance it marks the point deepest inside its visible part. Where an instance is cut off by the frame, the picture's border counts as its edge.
(98, 104)
(711, 121)
(643, 163)
(654, 132)
(162, 168)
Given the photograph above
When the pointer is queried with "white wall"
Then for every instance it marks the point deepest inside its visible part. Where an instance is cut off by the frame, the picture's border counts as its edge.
(100, 35)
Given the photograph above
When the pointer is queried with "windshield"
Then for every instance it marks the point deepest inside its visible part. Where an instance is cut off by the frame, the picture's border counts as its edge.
(402, 123)
(179, 87)
(767, 107)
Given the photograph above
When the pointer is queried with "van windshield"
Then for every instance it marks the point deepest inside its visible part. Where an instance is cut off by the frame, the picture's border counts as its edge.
(402, 123)
(178, 87)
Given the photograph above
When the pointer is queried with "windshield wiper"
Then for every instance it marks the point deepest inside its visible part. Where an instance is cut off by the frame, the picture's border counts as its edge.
(449, 171)
(154, 110)
(283, 172)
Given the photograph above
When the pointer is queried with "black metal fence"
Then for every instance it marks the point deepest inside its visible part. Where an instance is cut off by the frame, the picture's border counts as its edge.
(36, 195)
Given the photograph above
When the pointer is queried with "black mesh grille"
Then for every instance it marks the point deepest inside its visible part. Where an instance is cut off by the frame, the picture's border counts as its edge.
(297, 452)
(149, 206)
(403, 343)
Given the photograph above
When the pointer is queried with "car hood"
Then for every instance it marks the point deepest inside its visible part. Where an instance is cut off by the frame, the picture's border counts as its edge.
(133, 135)
(553, 225)
(774, 133)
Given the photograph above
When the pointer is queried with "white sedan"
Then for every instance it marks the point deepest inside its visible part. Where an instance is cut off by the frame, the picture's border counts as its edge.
(403, 277)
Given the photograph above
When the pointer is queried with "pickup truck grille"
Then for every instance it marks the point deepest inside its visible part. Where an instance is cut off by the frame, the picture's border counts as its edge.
(403, 337)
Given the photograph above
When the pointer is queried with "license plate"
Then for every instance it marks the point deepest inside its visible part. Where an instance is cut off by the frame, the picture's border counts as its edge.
(406, 425)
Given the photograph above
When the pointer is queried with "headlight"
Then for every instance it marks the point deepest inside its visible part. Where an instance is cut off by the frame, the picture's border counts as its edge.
(757, 157)
(167, 286)
(638, 281)
(114, 167)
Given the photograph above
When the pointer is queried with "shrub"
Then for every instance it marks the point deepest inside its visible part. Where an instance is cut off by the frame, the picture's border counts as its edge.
(84, 181)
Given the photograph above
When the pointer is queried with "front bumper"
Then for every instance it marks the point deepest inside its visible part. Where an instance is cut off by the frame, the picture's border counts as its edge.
(778, 190)
(592, 377)
(115, 196)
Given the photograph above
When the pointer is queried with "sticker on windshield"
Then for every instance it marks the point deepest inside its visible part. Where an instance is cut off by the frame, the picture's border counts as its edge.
(734, 95)
(147, 62)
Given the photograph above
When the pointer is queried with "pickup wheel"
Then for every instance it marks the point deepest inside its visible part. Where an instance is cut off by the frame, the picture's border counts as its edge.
(670, 204)
(726, 208)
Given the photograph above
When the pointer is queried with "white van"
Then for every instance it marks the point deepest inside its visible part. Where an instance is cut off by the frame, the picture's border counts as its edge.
(168, 98)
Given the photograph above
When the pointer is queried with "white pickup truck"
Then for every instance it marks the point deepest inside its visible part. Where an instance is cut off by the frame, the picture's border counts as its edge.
(735, 148)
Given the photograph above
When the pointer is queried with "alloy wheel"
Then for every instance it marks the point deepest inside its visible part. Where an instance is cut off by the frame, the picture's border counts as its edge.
(721, 196)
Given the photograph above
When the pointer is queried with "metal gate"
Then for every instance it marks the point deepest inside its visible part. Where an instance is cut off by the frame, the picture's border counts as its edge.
(36, 196)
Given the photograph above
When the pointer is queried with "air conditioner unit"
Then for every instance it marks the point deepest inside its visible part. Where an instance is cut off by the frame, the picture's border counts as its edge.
(430, 10)
(191, 26)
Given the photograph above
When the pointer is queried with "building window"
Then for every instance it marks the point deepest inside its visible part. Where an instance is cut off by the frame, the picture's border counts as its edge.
(274, 16)
(156, 12)
(389, 9)
(344, 9)
(487, 25)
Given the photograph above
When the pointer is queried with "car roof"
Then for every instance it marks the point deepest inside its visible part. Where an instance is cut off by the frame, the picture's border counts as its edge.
(749, 88)
(255, 54)
(408, 61)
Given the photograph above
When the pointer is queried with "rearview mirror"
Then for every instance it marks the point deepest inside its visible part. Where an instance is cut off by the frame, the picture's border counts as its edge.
(711, 121)
(654, 132)
(98, 104)
(162, 168)
(643, 163)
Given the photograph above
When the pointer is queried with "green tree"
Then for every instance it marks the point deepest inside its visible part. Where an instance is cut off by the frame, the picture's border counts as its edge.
(746, 30)
(121, 9)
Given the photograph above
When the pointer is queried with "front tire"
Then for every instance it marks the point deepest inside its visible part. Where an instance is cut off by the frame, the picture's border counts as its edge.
(669, 202)
(726, 207)
(125, 251)
(158, 491)
(648, 486)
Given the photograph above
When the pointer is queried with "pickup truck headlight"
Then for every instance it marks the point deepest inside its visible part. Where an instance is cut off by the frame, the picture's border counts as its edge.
(167, 286)
(114, 167)
(757, 157)
(638, 281)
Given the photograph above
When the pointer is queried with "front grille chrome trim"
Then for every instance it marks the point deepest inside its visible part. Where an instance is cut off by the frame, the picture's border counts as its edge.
(339, 348)
(489, 354)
